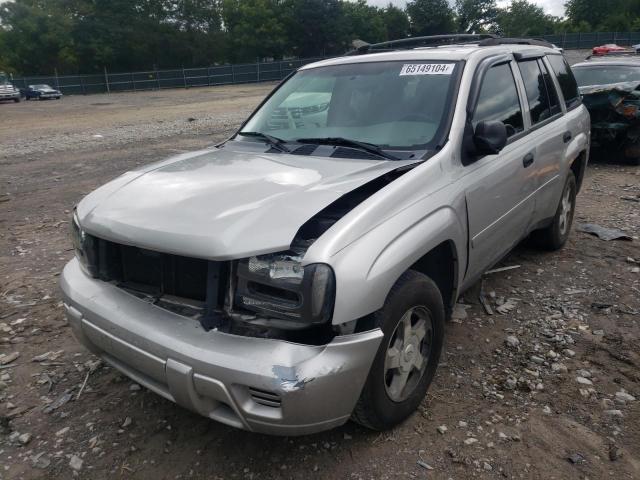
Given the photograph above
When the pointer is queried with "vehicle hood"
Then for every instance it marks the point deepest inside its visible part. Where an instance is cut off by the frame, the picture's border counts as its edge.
(222, 203)
(610, 87)
(46, 90)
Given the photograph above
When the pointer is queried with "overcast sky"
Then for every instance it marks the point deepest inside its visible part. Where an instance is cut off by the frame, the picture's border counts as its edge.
(553, 7)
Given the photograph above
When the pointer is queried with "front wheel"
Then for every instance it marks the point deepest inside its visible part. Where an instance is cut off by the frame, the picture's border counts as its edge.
(555, 235)
(412, 320)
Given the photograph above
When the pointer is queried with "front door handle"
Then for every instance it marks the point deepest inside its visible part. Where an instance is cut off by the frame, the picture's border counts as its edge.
(566, 137)
(527, 160)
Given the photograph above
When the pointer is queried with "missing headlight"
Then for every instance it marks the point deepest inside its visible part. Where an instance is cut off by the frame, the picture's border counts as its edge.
(278, 287)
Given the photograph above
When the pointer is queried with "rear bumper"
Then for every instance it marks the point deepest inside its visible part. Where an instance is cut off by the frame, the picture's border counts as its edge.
(261, 385)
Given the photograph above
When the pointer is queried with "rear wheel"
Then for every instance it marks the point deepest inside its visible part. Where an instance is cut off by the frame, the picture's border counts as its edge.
(17, 100)
(555, 235)
(412, 320)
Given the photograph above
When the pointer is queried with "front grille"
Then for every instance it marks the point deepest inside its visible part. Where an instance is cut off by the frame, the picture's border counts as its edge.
(161, 274)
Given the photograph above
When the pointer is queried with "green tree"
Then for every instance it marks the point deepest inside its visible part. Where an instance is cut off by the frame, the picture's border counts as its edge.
(362, 21)
(313, 27)
(594, 12)
(475, 16)
(522, 18)
(396, 22)
(430, 17)
(37, 36)
(255, 28)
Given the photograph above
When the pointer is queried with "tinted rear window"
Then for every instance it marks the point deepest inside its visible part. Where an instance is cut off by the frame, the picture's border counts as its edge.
(566, 80)
(541, 105)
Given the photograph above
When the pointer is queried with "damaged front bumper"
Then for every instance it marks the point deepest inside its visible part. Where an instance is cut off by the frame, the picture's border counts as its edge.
(261, 385)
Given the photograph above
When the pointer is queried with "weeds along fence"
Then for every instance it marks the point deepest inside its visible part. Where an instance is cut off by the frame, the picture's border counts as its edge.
(107, 82)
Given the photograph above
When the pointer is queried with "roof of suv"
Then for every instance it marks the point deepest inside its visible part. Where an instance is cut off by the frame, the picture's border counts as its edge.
(448, 52)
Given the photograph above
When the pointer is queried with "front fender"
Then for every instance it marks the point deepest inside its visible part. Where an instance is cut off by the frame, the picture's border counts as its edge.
(367, 269)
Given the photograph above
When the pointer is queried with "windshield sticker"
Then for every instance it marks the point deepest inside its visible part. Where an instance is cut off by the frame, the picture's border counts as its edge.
(427, 69)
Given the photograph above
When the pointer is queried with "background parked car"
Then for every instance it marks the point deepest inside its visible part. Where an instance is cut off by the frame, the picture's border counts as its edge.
(610, 87)
(41, 92)
(7, 90)
(611, 48)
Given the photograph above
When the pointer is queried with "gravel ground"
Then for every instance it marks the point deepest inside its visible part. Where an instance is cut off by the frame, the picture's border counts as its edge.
(546, 387)
(102, 121)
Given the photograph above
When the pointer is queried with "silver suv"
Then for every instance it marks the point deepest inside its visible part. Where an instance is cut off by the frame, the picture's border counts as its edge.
(300, 273)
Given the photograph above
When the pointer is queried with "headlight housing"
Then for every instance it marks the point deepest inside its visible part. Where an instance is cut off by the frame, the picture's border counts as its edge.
(84, 246)
(277, 286)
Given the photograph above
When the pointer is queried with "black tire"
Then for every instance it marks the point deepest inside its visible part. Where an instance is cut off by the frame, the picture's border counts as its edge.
(17, 100)
(375, 408)
(555, 235)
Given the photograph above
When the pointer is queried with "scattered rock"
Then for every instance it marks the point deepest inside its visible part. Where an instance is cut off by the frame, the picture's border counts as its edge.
(511, 341)
(127, 422)
(75, 462)
(583, 381)
(48, 356)
(442, 429)
(614, 452)
(41, 460)
(624, 396)
(576, 458)
(24, 438)
(62, 431)
(7, 358)
(134, 387)
(470, 441)
(614, 413)
(559, 368)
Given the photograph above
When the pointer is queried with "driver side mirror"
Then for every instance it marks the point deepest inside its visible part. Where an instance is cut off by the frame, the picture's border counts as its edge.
(489, 137)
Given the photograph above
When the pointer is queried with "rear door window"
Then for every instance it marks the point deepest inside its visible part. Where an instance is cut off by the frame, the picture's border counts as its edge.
(566, 80)
(542, 105)
(498, 100)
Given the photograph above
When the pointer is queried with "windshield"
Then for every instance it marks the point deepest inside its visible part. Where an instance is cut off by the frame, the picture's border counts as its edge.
(42, 86)
(394, 105)
(603, 74)
(3, 78)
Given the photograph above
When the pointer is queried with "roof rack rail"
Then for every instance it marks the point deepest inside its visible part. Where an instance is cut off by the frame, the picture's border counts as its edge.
(413, 42)
(489, 42)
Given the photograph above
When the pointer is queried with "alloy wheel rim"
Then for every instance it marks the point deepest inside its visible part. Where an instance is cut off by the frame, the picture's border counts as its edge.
(407, 354)
(565, 211)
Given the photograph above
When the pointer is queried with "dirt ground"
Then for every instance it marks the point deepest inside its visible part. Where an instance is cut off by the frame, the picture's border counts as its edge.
(553, 402)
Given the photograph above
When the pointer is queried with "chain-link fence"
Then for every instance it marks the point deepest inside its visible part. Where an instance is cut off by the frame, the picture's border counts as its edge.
(250, 72)
(156, 79)
(590, 40)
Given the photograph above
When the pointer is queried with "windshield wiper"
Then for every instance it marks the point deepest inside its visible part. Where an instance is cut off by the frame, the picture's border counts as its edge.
(347, 142)
(275, 142)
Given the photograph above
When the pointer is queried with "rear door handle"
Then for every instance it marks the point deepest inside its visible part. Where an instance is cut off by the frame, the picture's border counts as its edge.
(566, 137)
(527, 160)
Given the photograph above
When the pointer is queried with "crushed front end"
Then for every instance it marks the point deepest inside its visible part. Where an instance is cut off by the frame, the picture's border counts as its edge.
(246, 342)
(615, 118)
